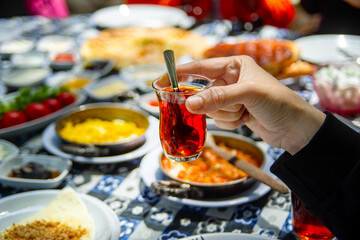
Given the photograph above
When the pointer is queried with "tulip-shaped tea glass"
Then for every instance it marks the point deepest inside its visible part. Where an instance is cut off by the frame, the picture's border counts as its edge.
(305, 225)
(182, 133)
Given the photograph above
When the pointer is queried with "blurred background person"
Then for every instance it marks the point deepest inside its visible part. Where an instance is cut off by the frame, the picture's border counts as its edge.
(337, 16)
(249, 13)
(12, 8)
(90, 6)
(45, 8)
(279, 13)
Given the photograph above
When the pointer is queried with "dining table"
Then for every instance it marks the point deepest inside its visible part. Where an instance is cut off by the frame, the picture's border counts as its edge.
(143, 214)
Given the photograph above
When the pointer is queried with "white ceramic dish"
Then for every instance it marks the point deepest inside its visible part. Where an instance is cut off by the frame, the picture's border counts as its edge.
(107, 88)
(12, 46)
(56, 43)
(101, 67)
(8, 31)
(30, 59)
(25, 77)
(52, 143)
(324, 49)
(150, 172)
(37, 123)
(141, 15)
(19, 206)
(3, 89)
(8, 149)
(60, 78)
(50, 162)
(144, 103)
(142, 75)
(226, 236)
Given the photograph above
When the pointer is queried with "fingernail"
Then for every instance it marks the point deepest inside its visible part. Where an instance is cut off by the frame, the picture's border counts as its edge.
(196, 102)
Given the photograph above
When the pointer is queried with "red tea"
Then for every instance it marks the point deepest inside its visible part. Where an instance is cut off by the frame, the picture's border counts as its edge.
(305, 225)
(182, 133)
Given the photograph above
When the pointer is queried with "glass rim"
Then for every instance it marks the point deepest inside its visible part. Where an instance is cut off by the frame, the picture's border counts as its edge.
(184, 93)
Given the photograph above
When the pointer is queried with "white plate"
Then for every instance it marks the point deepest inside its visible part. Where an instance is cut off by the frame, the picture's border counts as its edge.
(9, 149)
(323, 49)
(141, 15)
(52, 144)
(36, 124)
(56, 43)
(150, 172)
(3, 89)
(19, 206)
(226, 236)
(144, 103)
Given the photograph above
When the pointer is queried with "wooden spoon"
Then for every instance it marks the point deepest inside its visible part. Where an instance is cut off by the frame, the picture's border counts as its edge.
(253, 171)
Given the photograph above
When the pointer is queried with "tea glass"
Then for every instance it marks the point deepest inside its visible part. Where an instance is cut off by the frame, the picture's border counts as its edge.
(182, 133)
(305, 225)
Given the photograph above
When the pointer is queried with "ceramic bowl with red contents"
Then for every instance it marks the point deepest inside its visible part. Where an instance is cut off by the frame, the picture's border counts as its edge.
(63, 61)
(149, 103)
(338, 88)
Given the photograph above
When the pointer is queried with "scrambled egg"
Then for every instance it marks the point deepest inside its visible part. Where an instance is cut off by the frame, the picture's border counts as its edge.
(96, 131)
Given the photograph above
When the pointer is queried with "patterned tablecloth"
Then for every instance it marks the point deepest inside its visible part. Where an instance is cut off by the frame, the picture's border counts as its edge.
(143, 214)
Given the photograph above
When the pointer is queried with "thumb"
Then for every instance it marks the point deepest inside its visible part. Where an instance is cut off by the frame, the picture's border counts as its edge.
(215, 98)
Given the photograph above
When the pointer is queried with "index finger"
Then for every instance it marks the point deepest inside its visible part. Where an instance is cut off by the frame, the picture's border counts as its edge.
(225, 68)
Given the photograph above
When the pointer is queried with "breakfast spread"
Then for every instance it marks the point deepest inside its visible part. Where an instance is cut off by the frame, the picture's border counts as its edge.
(64, 218)
(131, 46)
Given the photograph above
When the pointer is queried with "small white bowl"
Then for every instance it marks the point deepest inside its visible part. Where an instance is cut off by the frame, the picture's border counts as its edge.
(56, 43)
(29, 60)
(62, 78)
(101, 67)
(13, 46)
(59, 164)
(142, 75)
(7, 150)
(107, 88)
(25, 77)
(144, 103)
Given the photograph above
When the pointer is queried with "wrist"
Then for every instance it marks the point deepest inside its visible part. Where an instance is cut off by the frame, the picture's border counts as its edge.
(304, 130)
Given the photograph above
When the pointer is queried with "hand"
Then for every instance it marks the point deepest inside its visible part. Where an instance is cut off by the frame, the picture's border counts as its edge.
(245, 93)
(354, 3)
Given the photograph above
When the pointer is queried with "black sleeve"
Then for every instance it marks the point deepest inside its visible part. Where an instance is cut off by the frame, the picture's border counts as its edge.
(325, 175)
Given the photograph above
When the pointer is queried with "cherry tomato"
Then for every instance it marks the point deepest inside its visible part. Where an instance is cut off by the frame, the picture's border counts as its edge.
(36, 110)
(13, 118)
(53, 104)
(66, 98)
